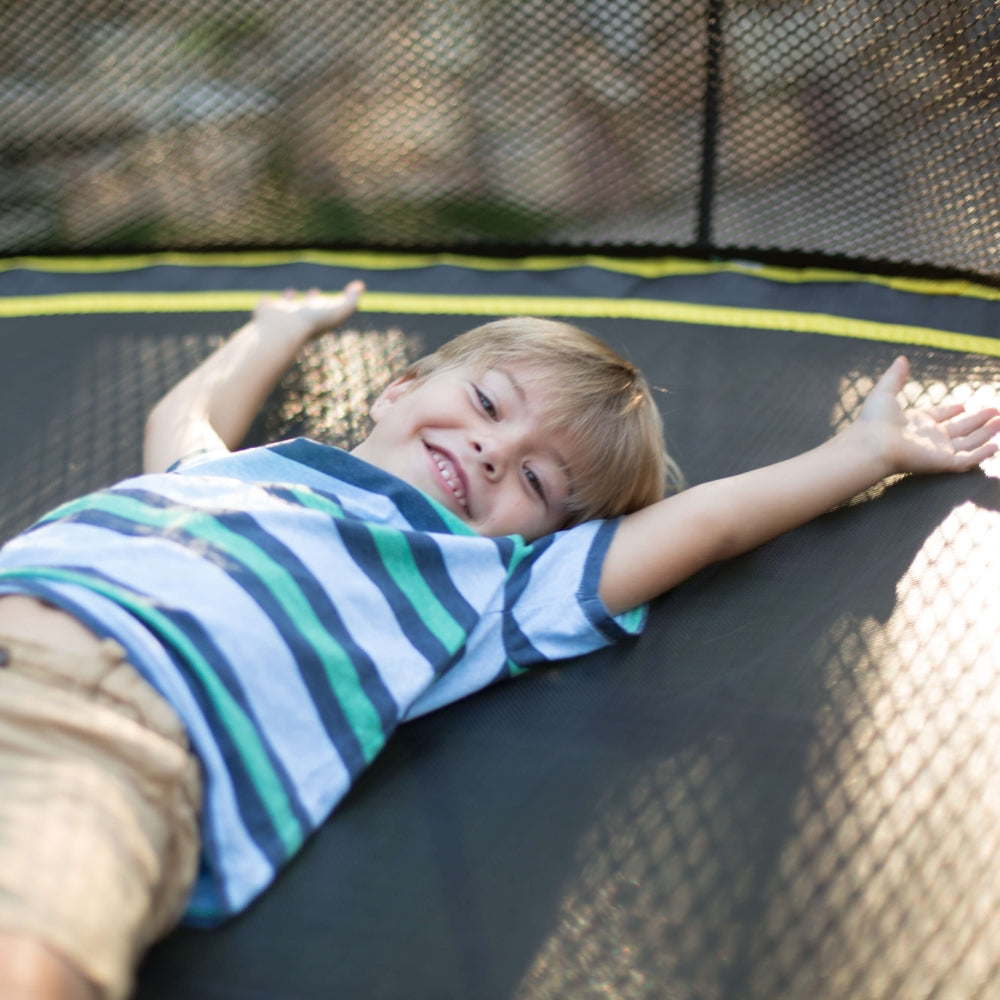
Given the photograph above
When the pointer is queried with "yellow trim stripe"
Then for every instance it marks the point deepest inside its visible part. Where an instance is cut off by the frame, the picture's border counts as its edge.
(91, 303)
(95, 303)
(643, 267)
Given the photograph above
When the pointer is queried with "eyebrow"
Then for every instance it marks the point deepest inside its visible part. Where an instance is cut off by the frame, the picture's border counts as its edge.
(510, 377)
(564, 466)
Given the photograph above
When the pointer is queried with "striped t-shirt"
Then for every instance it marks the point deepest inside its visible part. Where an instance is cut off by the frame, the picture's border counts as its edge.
(294, 604)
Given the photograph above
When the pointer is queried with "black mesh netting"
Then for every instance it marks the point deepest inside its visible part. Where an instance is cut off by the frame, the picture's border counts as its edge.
(866, 128)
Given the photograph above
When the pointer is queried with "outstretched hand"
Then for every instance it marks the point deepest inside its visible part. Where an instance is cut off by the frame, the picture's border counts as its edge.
(939, 439)
(308, 315)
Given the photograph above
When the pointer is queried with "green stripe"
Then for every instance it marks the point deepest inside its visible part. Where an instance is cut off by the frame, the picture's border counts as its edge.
(358, 709)
(522, 550)
(237, 723)
(307, 498)
(397, 557)
(513, 670)
(632, 619)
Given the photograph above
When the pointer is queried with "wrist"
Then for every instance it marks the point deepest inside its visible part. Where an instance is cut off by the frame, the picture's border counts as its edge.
(279, 332)
(869, 451)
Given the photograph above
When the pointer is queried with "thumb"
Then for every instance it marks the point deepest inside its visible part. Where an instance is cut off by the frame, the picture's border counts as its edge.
(349, 298)
(894, 377)
(353, 291)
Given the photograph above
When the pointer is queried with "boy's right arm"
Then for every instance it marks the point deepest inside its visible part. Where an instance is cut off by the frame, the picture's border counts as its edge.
(656, 548)
(213, 407)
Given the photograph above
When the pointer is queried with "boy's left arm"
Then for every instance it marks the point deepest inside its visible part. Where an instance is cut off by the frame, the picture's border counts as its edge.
(656, 548)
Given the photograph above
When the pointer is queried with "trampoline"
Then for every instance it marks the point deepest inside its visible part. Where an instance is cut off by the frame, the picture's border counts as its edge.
(787, 786)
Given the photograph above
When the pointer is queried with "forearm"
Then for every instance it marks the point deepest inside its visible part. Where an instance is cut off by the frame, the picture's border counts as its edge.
(749, 509)
(223, 394)
(232, 384)
(656, 548)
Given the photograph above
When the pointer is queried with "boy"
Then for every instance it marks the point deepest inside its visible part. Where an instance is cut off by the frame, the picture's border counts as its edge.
(283, 608)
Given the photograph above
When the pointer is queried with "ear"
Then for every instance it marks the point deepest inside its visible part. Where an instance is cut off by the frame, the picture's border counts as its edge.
(389, 395)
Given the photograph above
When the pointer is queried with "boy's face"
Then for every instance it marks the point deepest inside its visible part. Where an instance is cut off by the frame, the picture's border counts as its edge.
(479, 444)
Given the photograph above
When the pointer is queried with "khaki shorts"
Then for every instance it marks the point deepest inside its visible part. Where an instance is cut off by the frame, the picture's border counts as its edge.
(99, 801)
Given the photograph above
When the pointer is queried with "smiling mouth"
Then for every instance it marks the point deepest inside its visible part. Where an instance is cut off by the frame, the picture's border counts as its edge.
(451, 477)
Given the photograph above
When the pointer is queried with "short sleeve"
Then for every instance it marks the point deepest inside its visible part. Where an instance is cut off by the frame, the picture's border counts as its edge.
(548, 609)
(555, 610)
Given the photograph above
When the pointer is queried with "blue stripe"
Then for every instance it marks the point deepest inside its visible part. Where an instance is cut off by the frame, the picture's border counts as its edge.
(517, 645)
(256, 816)
(361, 547)
(594, 609)
(310, 661)
(311, 664)
(422, 513)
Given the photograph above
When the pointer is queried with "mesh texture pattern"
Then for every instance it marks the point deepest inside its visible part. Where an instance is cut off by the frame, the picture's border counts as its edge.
(863, 129)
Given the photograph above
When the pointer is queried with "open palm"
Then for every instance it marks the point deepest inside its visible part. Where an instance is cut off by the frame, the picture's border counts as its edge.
(942, 438)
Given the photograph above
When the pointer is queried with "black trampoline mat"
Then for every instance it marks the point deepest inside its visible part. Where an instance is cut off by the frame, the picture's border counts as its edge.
(787, 787)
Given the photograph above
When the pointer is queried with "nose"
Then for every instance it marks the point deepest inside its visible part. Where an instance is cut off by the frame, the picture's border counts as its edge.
(491, 456)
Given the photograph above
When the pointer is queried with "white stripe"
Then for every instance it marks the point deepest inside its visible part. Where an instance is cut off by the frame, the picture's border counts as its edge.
(477, 572)
(476, 671)
(268, 673)
(312, 536)
(267, 466)
(473, 564)
(364, 609)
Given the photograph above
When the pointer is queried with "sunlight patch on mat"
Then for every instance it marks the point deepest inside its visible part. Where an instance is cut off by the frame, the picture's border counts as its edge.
(978, 388)
(892, 879)
(660, 882)
(328, 394)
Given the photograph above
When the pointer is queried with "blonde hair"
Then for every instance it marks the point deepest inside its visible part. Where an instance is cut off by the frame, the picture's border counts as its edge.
(600, 401)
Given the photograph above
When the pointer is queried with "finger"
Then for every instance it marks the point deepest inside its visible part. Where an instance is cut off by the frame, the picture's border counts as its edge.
(268, 301)
(966, 460)
(350, 295)
(980, 441)
(945, 411)
(964, 424)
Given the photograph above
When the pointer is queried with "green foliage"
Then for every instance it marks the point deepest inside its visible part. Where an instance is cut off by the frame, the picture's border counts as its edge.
(222, 42)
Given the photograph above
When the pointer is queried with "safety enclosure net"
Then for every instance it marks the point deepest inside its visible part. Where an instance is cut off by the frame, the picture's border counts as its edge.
(865, 129)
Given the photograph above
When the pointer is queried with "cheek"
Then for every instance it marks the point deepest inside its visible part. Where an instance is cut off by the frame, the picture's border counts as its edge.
(530, 519)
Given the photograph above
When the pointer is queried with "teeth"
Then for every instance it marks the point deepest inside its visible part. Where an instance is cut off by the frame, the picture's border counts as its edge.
(454, 483)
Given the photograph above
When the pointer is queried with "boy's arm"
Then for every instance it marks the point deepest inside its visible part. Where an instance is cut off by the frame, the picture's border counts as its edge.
(658, 547)
(214, 406)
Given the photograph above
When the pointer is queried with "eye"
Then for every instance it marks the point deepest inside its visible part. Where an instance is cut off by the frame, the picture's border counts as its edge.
(487, 404)
(534, 482)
